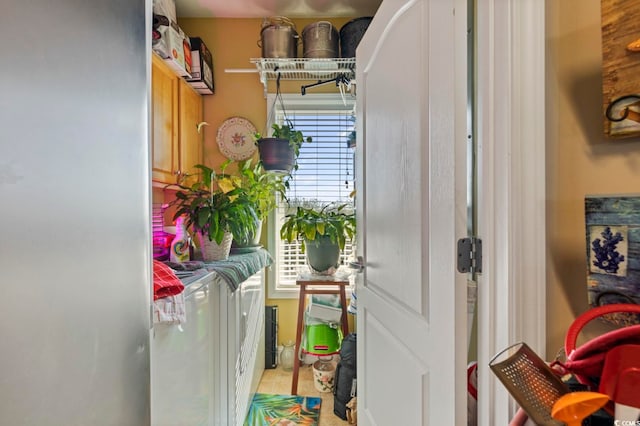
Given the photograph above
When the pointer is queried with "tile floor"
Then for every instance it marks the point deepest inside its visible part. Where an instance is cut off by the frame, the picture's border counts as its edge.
(278, 381)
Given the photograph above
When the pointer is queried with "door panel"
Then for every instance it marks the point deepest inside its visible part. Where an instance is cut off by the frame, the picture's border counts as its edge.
(181, 374)
(408, 376)
(411, 301)
(401, 153)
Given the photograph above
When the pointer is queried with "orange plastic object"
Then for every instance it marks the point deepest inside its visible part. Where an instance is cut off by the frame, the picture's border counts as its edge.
(574, 407)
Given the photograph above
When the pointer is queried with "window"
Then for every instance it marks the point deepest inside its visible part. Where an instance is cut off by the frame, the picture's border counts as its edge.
(325, 174)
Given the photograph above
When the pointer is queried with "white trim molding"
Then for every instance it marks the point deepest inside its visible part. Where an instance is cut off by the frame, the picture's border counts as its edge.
(511, 192)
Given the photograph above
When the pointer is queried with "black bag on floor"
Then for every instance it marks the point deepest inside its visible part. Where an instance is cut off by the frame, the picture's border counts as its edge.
(345, 378)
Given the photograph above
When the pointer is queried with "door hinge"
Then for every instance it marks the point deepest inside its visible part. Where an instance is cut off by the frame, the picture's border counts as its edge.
(470, 255)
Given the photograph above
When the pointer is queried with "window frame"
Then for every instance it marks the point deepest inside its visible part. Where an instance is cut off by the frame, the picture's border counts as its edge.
(295, 102)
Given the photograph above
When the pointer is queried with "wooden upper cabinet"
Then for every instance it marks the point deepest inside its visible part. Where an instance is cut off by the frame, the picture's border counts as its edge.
(190, 113)
(176, 112)
(164, 117)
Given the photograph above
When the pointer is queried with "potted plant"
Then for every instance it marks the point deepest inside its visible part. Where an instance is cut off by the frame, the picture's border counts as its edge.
(218, 210)
(323, 233)
(279, 152)
(261, 189)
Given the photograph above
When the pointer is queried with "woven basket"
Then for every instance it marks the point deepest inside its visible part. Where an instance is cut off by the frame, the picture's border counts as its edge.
(214, 251)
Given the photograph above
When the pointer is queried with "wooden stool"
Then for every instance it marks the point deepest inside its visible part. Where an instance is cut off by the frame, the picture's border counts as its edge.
(308, 286)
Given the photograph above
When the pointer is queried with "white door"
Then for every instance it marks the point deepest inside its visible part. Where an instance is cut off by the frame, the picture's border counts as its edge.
(411, 106)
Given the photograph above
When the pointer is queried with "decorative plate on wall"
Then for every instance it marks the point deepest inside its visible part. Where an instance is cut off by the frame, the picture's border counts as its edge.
(235, 138)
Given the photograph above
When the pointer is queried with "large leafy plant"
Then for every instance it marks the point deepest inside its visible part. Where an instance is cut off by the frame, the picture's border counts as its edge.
(215, 204)
(262, 188)
(337, 222)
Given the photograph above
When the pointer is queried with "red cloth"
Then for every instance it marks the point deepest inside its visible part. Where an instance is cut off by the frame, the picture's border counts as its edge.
(165, 281)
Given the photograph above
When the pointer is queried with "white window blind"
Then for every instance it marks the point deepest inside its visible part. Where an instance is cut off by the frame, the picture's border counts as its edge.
(325, 175)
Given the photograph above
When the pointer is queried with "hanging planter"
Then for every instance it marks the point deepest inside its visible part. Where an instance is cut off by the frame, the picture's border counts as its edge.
(276, 155)
(279, 152)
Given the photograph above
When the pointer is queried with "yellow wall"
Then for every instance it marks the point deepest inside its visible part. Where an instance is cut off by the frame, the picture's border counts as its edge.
(580, 160)
(233, 42)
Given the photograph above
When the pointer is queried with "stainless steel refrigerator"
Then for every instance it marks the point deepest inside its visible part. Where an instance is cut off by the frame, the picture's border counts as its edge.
(75, 252)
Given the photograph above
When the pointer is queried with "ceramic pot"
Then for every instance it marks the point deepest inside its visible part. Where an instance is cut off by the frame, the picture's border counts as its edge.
(252, 240)
(323, 255)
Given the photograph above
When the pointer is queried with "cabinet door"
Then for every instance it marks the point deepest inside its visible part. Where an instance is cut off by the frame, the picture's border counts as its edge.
(181, 369)
(190, 112)
(164, 116)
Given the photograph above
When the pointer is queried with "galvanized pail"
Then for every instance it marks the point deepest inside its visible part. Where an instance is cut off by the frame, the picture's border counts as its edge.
(278, 38)
(320, 40)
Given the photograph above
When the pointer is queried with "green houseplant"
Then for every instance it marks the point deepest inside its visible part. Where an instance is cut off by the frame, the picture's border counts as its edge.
(323, 232)
(261, 189)
(279, 152)
(218, 209)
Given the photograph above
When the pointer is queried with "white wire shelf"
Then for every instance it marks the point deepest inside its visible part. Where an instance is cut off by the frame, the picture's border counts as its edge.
(269, 69)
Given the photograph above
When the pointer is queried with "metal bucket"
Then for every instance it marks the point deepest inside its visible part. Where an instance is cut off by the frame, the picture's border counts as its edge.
(320, 40)
(278, 38)
(350, 35)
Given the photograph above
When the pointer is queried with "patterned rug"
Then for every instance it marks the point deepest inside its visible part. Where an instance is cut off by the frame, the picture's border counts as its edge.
(283, 410)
